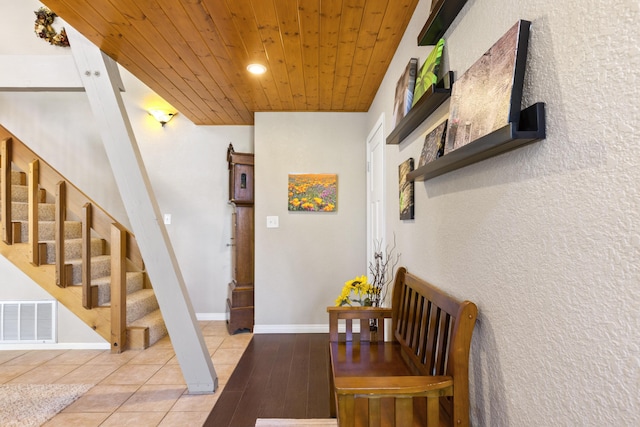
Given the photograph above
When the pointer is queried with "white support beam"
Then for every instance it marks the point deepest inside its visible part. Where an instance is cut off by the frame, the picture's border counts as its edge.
(53, 73)
(100, 78)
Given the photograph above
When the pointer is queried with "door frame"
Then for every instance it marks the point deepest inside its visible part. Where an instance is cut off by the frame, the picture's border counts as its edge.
(378, 129)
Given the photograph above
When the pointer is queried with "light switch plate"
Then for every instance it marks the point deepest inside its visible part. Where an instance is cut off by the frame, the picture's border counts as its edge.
(167, 219)
(272, 222)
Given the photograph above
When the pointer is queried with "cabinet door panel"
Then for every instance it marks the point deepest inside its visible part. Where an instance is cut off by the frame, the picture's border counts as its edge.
(243, 249)
(241, 183)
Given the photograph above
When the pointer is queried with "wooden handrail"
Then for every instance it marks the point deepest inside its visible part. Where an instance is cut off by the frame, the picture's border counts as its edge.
(21, 156)
(118, 288)
(5, 192)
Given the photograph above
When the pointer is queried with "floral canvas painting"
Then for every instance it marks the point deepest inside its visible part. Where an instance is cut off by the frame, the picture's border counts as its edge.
(315, 192)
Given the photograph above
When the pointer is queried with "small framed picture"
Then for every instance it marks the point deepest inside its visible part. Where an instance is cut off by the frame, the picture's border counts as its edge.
(406, 190)
(433, 144)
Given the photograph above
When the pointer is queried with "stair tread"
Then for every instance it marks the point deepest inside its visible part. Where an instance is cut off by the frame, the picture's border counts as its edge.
(140, 304)
(107, 279)
(152, 318)
(93, 258)
(139, 295)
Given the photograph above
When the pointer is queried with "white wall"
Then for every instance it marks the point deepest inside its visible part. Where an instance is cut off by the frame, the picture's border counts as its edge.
(188, 170)
(544, 239)
(301, 266)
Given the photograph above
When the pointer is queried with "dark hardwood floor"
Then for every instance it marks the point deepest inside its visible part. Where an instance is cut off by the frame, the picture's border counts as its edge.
(278, 376)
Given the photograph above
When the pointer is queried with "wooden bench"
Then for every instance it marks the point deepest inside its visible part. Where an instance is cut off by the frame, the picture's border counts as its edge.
(420, 377)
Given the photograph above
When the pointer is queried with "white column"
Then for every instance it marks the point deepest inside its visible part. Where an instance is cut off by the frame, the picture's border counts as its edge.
(102, 83)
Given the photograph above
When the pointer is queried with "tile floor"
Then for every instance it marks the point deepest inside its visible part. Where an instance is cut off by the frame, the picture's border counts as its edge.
(134, 388)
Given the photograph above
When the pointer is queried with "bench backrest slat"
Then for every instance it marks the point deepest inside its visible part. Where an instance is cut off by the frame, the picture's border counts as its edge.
(414, 343)
(434, 330)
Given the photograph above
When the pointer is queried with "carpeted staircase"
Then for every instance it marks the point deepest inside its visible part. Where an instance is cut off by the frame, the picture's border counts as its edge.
(145, 325)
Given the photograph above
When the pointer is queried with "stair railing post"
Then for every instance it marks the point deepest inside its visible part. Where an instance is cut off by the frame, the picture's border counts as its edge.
(5, 192)
(118, 288)
(61, 217)
(87, 300)
(34, 201)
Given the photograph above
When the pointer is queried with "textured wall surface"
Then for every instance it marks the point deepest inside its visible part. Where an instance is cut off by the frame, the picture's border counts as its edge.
(545, 239)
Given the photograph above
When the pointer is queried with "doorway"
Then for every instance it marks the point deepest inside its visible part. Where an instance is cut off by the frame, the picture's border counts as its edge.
(375, 188)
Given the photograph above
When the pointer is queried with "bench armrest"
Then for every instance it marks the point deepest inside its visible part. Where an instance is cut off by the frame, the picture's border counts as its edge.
(361, 314)
(406, 386)
(346, 312)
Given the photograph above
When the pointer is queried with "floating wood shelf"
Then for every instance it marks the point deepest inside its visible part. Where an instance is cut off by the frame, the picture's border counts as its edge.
(530, 128)
(428, 103)
(442, 15)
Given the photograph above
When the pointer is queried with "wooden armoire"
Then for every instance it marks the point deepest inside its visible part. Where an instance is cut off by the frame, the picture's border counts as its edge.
(241, 191)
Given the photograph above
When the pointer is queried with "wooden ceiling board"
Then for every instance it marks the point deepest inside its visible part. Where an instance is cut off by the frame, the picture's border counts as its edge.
(350, 21)
(367, 37)
(122, 50)
(321, 55)
(329, 37)
(229, 44)
(270, 36)
(178, 44)
(192, 50)
(393, 26)
(224, 65)
(309, 18)
(247, 27)
(289, 30)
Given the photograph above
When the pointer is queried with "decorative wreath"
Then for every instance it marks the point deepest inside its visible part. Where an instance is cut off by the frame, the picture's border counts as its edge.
(44, 28)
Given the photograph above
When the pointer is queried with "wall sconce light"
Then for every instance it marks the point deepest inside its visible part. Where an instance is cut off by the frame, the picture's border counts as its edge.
(162, 116)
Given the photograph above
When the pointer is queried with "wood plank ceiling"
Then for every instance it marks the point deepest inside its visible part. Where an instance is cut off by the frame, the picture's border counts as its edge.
(321, 55)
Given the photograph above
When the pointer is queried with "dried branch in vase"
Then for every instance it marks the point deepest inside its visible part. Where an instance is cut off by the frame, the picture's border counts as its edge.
(381, 270)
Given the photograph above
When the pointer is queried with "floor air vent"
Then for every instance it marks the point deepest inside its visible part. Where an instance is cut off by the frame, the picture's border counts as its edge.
(28, 322)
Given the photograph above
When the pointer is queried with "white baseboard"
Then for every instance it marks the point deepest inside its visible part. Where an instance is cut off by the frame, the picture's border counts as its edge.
(57, 346)
(211, 316)
(291, 329)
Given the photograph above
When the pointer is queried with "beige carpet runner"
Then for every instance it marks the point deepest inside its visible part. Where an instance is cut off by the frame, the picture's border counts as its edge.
(27, 405)
(286, 422)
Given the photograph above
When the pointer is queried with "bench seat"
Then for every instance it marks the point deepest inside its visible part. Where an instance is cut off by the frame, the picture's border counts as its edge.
(420, 377)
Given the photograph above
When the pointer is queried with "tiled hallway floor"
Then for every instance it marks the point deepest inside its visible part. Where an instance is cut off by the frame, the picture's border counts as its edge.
(134, 388)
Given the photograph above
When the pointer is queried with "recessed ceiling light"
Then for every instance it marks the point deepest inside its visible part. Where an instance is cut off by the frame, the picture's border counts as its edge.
(256, 68)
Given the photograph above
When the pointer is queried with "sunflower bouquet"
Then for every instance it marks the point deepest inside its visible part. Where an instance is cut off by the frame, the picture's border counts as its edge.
(373, 294)
(357, 291)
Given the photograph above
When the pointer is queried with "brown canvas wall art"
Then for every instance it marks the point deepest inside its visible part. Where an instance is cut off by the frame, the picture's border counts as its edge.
(406, 190)
(433, 144)
(488, 96)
